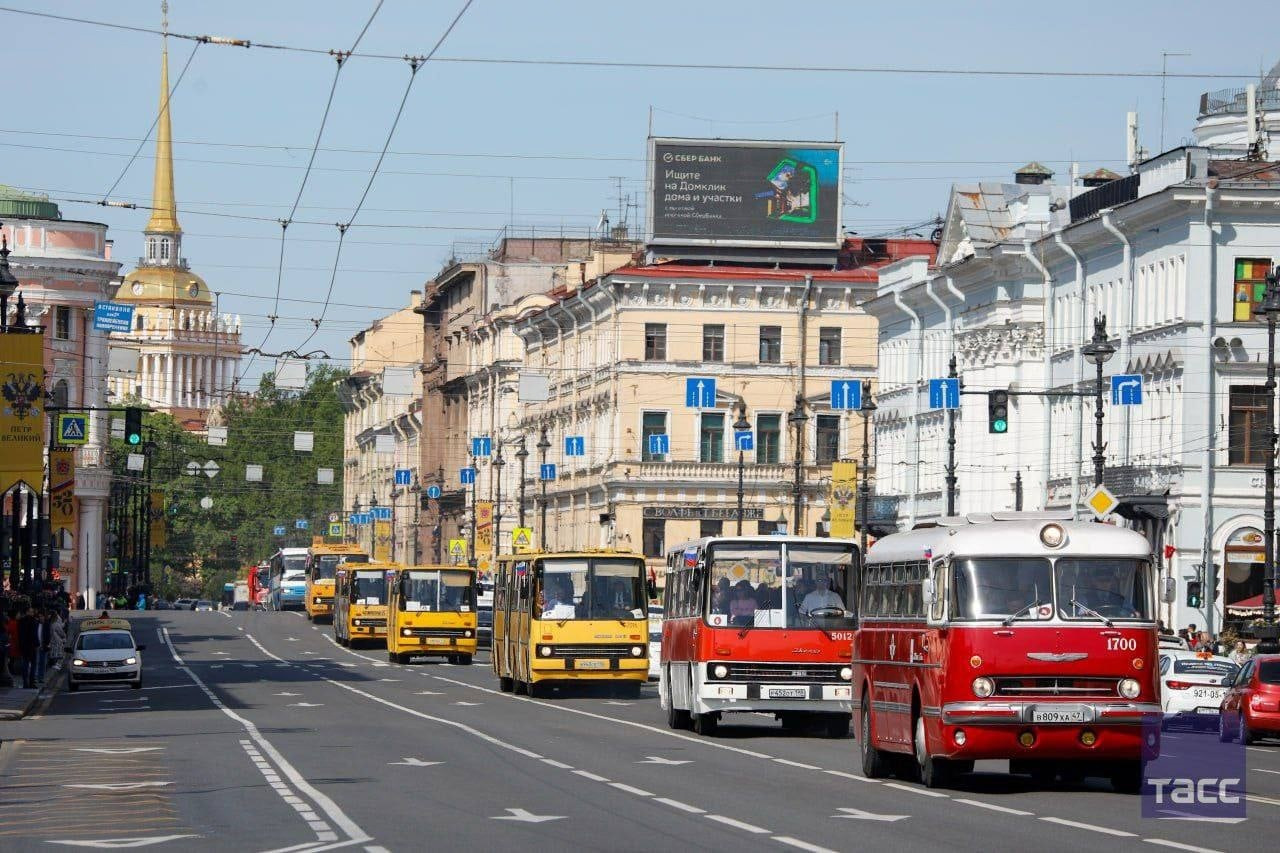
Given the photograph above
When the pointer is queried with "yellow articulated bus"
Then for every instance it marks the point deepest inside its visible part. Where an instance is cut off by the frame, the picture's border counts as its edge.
(574, 617)
(432, 611)
(360, 602)
(322, 566)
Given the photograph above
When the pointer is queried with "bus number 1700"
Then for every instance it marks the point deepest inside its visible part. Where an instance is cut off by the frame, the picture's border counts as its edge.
(1122, 644)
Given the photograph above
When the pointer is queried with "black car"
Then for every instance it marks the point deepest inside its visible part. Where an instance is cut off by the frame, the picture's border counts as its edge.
(484, 627)
(161, 604)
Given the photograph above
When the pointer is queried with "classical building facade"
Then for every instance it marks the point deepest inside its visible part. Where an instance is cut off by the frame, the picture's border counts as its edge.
(189, 353)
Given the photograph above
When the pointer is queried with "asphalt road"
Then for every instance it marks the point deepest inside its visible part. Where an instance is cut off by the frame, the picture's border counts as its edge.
(254, 731)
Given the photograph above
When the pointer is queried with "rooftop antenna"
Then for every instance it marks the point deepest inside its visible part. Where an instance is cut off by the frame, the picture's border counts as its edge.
(164, 18)
(1164, 71)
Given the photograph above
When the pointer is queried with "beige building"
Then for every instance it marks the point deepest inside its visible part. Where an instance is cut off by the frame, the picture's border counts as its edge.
(382, 430)
(619, 355)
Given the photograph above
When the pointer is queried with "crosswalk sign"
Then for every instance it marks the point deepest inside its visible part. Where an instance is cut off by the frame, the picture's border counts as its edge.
(522, 537)
(73, 428)
(335, 528)
(457, 547)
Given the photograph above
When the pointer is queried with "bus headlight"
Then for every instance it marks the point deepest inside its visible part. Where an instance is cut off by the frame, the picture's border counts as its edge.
(846, 673)
(406, 632)
(636, 651)
(315, 599)
(983, 687)
(1129, 688)
(544, 651)
(1052, 535)
(719, 671)
(466, 633)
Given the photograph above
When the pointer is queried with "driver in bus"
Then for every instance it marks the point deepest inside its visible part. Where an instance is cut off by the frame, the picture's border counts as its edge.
(557, 600)
(1108, 598)
(822, 596)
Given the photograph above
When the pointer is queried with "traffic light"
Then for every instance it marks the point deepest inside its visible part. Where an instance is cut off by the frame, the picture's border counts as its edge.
(998, 411)
(133, 426)
(1195, 594)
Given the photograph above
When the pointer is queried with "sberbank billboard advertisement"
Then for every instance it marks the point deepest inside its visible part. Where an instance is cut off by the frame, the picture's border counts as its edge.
(734, 192)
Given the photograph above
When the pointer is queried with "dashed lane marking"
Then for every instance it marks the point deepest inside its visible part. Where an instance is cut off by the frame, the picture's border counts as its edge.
(993, 807)
(738, 824)
(1176, 845)
(924, 792)
(1089, 827)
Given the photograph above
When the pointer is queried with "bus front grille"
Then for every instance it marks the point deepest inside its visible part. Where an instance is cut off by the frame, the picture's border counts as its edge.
(1058, 685)
(785, 672)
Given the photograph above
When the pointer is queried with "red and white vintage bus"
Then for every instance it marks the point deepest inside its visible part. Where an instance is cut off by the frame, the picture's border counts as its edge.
(759, 624)
(1022, 637)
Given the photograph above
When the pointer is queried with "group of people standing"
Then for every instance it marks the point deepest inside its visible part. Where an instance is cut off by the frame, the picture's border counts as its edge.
(33, 642)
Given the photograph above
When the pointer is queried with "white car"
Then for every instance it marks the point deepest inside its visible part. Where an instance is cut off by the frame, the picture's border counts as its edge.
(655, 641)
(1191, 686)
(105, 653)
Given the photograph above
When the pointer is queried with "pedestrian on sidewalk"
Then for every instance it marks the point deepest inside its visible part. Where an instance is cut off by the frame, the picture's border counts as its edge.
(58, 641)
(29, 646)
(13, 660)
(44, 633)
(5, 679)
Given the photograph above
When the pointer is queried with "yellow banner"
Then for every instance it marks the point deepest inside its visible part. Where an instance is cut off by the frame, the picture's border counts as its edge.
(382, 541)
(22, 411)
(159, 521)
(63, 511)
(843, 499)
(484, 528)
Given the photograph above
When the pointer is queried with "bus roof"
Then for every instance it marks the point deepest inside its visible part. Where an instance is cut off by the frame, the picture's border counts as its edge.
(292, 552)
(976, 536)
(437, 567)
(761, 538)
(336, 548)
(557, 554)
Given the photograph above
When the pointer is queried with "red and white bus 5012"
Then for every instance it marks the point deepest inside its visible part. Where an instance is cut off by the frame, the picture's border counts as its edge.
(759, 624)
(1021, 637)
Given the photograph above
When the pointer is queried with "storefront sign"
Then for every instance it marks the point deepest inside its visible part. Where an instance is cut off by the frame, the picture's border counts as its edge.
(709, 513)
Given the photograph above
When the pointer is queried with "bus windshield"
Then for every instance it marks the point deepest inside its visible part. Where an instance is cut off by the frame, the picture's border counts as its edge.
(369, 588)
(1017, 587)
(325, 566)
(996, 588)
(293, 564)
(1111, 588)
(591, 588)
(436, 591)
(752, 585)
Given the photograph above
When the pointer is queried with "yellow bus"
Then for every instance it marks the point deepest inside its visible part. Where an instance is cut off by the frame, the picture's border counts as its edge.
(432, 611)
(322, 565)
(572, 617)
(360, 602)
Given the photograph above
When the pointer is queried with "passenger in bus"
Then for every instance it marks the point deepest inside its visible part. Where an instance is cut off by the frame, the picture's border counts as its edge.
(557, 595)
(742, 609)
(822, 595)
(720, 597)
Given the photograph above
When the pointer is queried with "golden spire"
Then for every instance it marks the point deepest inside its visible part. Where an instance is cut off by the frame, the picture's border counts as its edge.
(164, 206)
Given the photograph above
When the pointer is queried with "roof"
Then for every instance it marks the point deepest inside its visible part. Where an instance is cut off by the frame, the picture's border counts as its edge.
(164, 286)
(1102, 174)
(997, 537)
(1034, 168)
(1241, 170)
(676, 269)
(982, 214)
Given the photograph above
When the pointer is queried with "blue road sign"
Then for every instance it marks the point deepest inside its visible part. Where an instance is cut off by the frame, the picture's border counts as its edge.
(467, 476)
(944, 393)
(700, 392)
(434, 492)
(481, 446)
(846, 394)
(744, 440)
(363, 518)
(279, 530)
(73, 428)
(112, 317)
(1126, 389)
(353, 519)
(301, 524)
(403, 476)
(575, 445)
(382, 513)
(659, 444)
(547, 471)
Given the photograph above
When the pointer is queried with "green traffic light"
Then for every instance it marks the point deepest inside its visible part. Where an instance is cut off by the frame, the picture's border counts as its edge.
(135, 439)
(1001, 426)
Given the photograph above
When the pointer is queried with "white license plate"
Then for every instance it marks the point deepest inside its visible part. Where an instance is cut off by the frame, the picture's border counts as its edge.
(786, 693)
(1057, 715)
(1209, 711)
(1206, 693)
(437, 641)
(591, 664)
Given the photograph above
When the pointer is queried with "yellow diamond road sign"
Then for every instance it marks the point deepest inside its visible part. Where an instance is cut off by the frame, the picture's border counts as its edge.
(1101, 501)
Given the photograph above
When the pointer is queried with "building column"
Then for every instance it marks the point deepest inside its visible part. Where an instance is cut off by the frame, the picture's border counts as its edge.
(168, 384)
(182, 381)
(91, 563)
(202, 376)
(231, 375)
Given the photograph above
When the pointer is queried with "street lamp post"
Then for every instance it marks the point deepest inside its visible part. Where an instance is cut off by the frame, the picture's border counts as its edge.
(1099, 351)
(864, 487)
(522, 454)
(1270, 311)
(797, 419)
(543, 445)
(739, 426)
(471, 555)
(498, 463)
(8, 284)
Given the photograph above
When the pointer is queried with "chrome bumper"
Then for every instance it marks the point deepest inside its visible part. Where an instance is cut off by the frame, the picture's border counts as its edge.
(1020, 713)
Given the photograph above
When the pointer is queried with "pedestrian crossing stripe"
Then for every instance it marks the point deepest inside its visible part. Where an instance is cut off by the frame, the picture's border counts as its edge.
(73, 428)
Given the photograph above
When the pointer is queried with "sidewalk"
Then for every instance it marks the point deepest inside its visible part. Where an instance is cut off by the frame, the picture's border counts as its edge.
(17, 702)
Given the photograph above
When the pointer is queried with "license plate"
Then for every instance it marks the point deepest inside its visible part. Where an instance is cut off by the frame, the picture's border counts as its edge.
(1057, 715)
(1206, 693)
(786, 693)
(1211, 711)
(592, 664)
(437, 641)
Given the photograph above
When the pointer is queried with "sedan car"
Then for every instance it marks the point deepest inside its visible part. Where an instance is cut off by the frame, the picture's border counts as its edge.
(1191, 686)
(183, 603)
(1251, 708)
(202, 604)
(161, 604)
(105, 653)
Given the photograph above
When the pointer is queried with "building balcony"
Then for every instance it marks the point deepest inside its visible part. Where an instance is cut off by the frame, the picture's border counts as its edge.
(713, 472)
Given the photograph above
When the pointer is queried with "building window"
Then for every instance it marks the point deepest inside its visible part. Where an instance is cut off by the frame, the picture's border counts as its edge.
(768, 528)
(711, 438)
(654, 534)
(137, 322)
(151, 248)
(1247, 427)
(828, 439)
(164, 249)
(652, 423)
(707, 527)
(62, 322)
(829, 345)
(768, 439)
(1250, 286)
(770, 344)
(655, 341)
(713, 343)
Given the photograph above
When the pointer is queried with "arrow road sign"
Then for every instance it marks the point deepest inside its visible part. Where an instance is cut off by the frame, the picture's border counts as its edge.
(744, 440)
(467, 476)
(547, 471)
(700, 392)
(403, 477)
(434, 492)
(301, 524)
(944, 393)
(575, 445)
(382, 513)
(846, 394)
(659, 444)
(414, 762)
(858, 814)
(527, 817)
(1126, 389)
(658, 759)
(481, 446)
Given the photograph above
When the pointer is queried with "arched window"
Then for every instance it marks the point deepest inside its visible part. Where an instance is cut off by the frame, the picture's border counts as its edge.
(151, 248)
(164, 249)
(138, 324)
(59, 394)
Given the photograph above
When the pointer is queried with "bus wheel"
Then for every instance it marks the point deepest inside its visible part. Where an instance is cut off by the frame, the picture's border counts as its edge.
(534, 691)
(873, 763)
(519, 688)
(838, 725)
(393, 657)
(505, 684)
(676, 718)
(462, 660)
(934, 772)
(1127, 778)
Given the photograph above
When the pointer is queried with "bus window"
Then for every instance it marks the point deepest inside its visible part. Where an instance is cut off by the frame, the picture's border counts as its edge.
(1113, 588)
(616, 591)
(997, 587)
(818, 581)
(323, 566)
(437, 591)
(368, 588)
(599, 588)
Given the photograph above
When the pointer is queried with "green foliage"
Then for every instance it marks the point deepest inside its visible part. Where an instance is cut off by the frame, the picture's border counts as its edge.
(200, 554)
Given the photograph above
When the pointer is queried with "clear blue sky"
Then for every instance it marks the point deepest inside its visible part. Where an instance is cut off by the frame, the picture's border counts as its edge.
(548, 143)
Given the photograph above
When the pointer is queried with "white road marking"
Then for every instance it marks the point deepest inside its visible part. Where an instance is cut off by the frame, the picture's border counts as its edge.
(799, 764)
(676, 804)
(388, 679)
(119, 701)
(118, 786)
(527, 817)
(737, 824)
(559, 764)
(1261, 770)
(115, 843)
(993, 807)
(639, 792)
(468, 704)
(669, 762)
(587, 774)
(414, 762)
(851, 813)
(622, 704)
(853, 776)
(428, 693)
(801, 845)
(287, 693)
(1179, 846)
(306, 704)
(924, 792)
(118, 750)
(1075, 824)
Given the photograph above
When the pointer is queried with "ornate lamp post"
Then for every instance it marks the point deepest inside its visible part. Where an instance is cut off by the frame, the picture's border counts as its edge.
(1269, 310)
(522, 454)
(1099, 351)
(741, 425)
(543, 445)
(796, 420)
(498, 463)
(8, 284)
(864, 487)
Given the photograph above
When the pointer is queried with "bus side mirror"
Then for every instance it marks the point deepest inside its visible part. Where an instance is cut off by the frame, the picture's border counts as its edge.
(1168, 590)
(929, 590)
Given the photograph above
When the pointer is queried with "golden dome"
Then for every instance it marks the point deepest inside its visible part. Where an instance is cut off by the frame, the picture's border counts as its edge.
(164, 286)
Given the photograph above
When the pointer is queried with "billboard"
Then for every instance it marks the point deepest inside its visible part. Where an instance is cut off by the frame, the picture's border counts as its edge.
(718, 192)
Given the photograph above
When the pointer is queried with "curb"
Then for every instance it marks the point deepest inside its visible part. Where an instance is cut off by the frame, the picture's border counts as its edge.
(46, 692)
